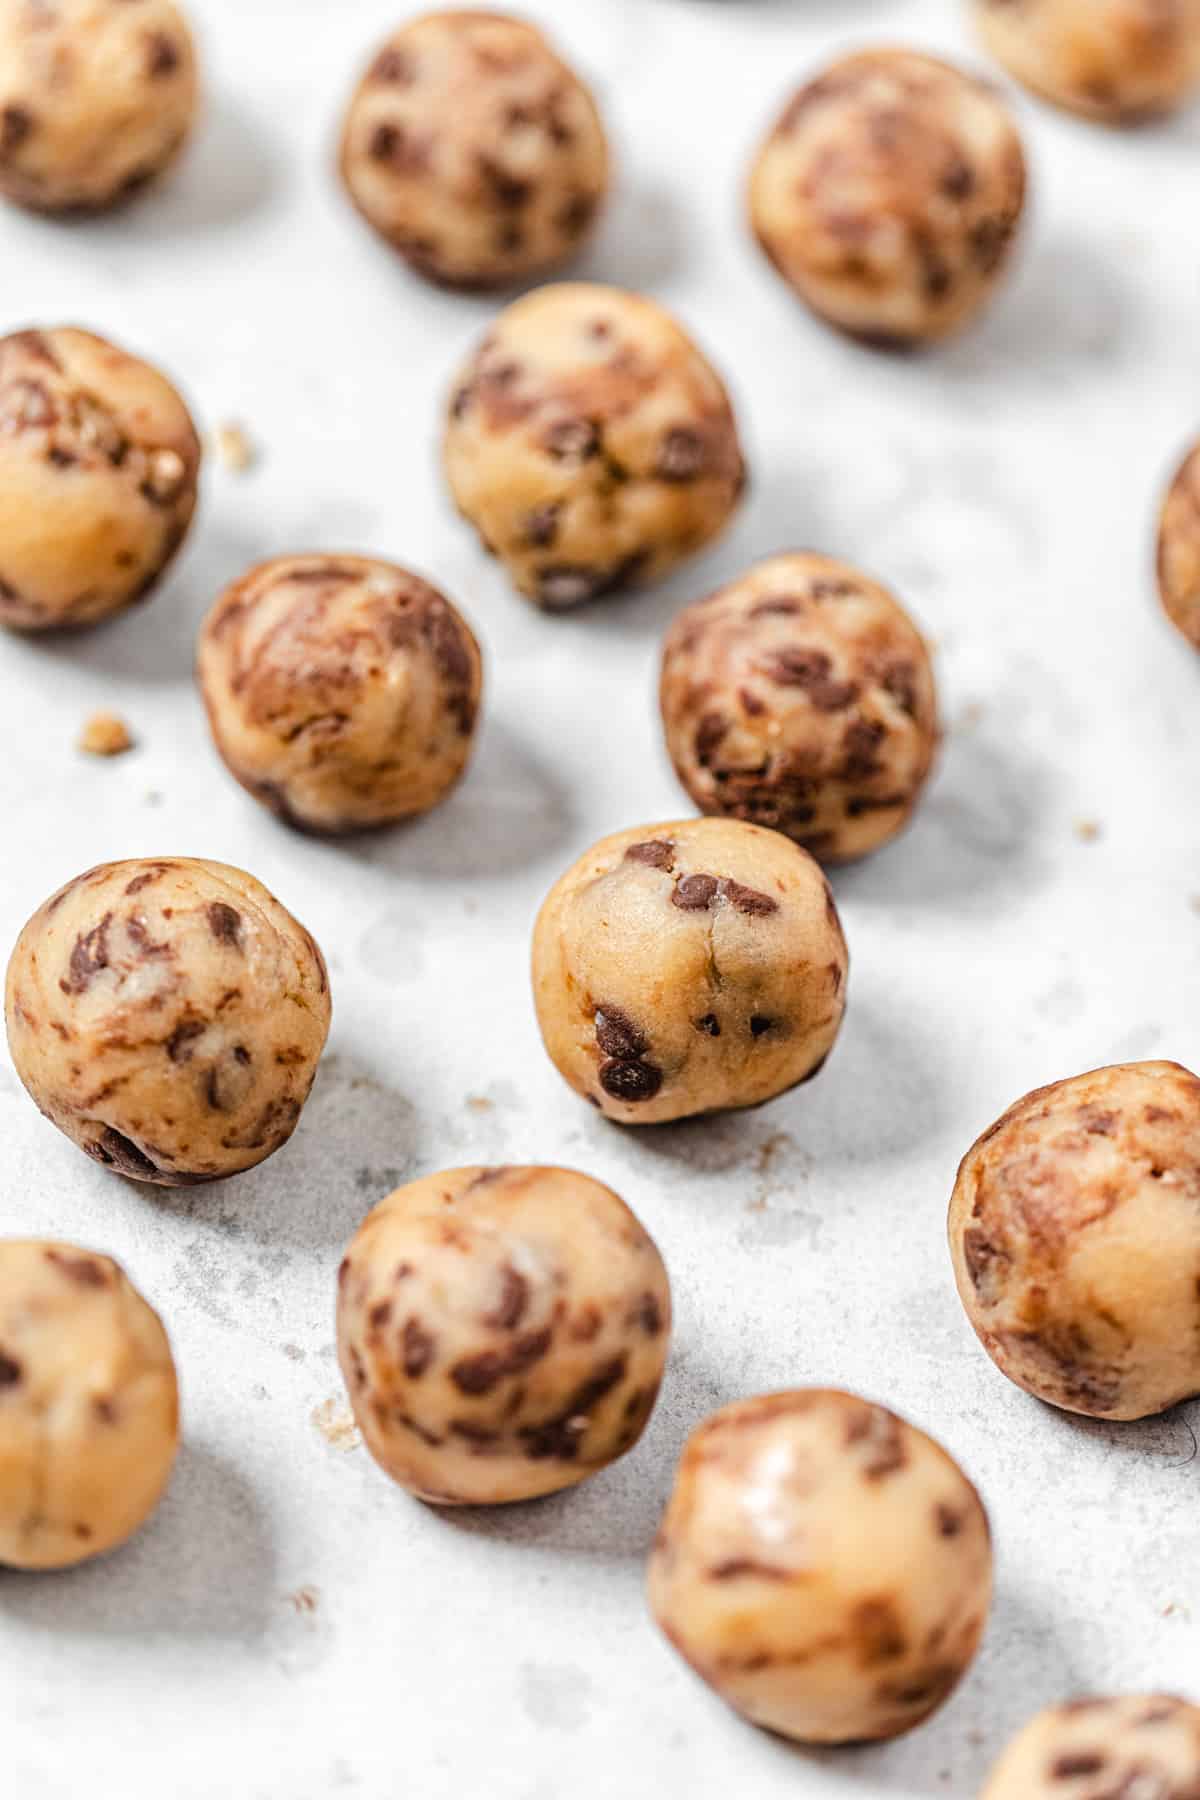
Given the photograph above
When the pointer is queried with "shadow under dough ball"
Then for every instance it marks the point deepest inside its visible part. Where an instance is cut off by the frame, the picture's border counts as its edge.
(341, 692)
(1142, 1747)
(474, 150)
(889, 194)
(1118, 61)
(99, 466)
(168, 1016)
(1179, 549)
(502, 1332)
(823, 1565)
(97, 98)
(89, 1406)
(590, 444)
(801, 697)
(1075, 1234)
(689, 968)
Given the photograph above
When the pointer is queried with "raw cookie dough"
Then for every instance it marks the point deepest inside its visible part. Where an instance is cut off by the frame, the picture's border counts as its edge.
(473, 149)
(168, 1016)
(823, 1565)
(888, 195)
(1179, 549)
(1075, 1235)
(687, 968)
(341, 692)
(97, 97)
(99, 462)
(89, 1408)
(1146, 1747)
(502, 1332)
(1118, 61)
(801, 697)
(590, 444)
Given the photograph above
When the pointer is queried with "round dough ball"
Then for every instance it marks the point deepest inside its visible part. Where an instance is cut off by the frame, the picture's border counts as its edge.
(801, 697)
(341, 692)
(590, 444)
(1118, 61)
(1146, 1747)
(1076, 1238)
(89, 1406)
(502, 1332)
(1179, 549)
(888, 196)
(688, 968)
(823, 1565)
(99, 465)
(97, 98)
(168, 1016)
(474, 150)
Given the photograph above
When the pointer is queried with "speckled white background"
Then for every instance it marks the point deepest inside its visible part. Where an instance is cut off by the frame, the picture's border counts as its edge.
(290, 1627)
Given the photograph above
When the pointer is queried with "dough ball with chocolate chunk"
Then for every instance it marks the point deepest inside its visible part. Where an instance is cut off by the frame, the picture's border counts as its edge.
(1118, 61)
(1075, 1233)
(341, 692)
(1144, 1747)
(89, 1408)
(590, 444)
(801, 697)
(1179, 549)
(97, 98)
(168, 1016)
(99, 462)
(823, 1565)
(475, 150)
(888, 196)
(502, 1332)
(689, 968)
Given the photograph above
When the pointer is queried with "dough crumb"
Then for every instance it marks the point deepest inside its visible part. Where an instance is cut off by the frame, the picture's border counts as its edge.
(234, 447)
(1088, 831)
(306, 1599)
(336, 1425)
(480, 1103)
(105, 734)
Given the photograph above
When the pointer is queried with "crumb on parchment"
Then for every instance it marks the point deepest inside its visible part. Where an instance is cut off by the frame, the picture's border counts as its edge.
(1088, 831)
(234, 447)
(105, 734)
(336, 1424)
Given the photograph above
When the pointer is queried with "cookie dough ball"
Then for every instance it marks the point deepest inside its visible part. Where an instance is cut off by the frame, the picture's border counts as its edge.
(1146, 1747)
(688, 968)
(99, 463)
(97, 98)
(888, 196)
(1179, 549)
(1113, 60)
(801, 697)
(168, 1017)
(502, 1332)
(89, 1408)
(590, 444)
(1076, 1238)
(823, 1565)
(341, 692)
(473, 149)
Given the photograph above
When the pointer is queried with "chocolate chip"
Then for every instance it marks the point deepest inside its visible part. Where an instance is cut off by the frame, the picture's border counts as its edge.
(88, 957)
(162, 55)
(630, 1081)
(514, 1299)
(759, 1024)
(656, 853)
(618, 1036)
(84, 1270)
(1074, 1763)
(948, 1519)
(879, 1436)
(570, 585)
(710, 733)
(395, 67)
(958, 183)
(812, 671)
(178, 1045)
(399, 149)
(576, 214)
(418, 1347)
(682, 455)
(710, 1025)
(505, 188)
(860, 747)
(225, 923)
(648, 1314)
(559, 1435)
(16, 123)
(10, 1370)
(118, 1152)
(695, 893)
(480, 1374)
(749, 900)
(541, 525)
(572, 440)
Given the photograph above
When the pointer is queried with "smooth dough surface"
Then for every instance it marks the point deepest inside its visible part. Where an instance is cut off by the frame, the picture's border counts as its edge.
(1179, 549)
(502, 1332)
(1139, 1747)
(1118, 61)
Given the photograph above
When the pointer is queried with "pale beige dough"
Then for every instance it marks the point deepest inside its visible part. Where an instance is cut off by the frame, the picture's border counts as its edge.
(89, 1407)
(823, 1565)
(590, 444)
(1141, 1747)
(1179, 549)
(502, 1332)
(1119, 61)
(168, 1015)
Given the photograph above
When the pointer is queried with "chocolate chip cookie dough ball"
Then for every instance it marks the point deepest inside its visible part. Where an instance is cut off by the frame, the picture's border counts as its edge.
(168, 1017)
(341, 692)
(1179, 549)
(590, 444)
(1147, 1745)
(99, 463)
(97, 98)
(89, 1408)
(473, 149)
(502, 1332)
(823, 1565)
(1076, 1239)
(689, 968)
(801, 697)
(888, 196)
(1118, 61)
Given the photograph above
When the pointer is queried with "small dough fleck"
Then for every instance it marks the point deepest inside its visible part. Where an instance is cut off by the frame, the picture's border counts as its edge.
(168, 1016)
(342, 692)
(590, 444)
(1075, 1236)
(1140, 1747)
(235, 448)
(823, 1565)
(1118, 61)
(1179, 549)
(89, 1406)
(502, 1332)
(105, 734)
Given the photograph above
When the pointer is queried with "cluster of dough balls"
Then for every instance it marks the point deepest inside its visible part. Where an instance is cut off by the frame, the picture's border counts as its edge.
(1118, 61)
(1143, 1747)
